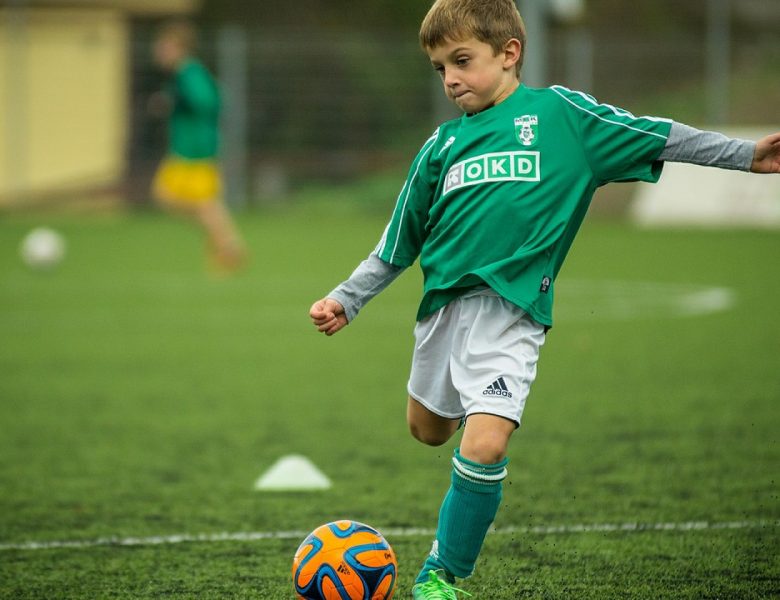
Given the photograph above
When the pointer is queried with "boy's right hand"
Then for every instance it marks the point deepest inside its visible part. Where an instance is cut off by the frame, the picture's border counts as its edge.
(328, 316)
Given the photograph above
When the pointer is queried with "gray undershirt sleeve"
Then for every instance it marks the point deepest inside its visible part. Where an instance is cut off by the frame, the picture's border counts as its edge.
(707, 148)
(371, 277)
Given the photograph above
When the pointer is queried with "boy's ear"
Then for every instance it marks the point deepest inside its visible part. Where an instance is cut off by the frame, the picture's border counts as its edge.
(513, 52)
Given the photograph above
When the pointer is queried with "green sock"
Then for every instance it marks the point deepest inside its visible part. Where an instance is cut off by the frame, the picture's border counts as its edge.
(466, 513)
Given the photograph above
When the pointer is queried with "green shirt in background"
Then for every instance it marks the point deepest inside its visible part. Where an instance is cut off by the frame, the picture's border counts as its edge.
(497, 198)
(194, 122)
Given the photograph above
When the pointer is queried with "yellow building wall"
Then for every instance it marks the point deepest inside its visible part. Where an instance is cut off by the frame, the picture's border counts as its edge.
(63, 99)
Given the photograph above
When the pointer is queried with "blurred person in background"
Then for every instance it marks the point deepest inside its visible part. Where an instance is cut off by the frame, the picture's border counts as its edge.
(188, 180)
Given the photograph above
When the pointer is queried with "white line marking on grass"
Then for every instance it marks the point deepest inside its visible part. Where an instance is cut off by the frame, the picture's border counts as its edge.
(588, 300)
(390, 532)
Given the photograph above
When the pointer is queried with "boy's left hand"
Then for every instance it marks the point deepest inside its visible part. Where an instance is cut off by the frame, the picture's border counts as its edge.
(767, 156)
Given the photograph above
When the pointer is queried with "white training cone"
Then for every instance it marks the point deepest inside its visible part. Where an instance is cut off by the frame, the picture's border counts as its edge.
(291, 473)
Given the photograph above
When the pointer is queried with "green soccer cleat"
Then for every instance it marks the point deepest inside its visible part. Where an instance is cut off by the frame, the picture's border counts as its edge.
(436, 588)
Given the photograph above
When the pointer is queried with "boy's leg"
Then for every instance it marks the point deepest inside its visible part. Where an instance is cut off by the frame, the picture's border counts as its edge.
(428, 427)
(485, 438)
(476, 356)
(472, 501)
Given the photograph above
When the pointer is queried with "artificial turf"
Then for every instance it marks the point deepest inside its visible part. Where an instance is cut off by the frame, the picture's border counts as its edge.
(141, 396)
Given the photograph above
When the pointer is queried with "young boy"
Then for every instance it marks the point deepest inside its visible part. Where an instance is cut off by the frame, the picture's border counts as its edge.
(491, 206)
(188, 180)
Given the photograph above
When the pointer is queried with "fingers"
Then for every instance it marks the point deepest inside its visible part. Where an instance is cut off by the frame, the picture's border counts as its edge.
(317, 310)
(331, 325)
(321, 310)
(774, 139)
(770, 143)
(326, 305)
(767, 156)
(328, 316)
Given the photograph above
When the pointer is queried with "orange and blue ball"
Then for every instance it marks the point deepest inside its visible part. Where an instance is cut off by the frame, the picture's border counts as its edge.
(344, 560)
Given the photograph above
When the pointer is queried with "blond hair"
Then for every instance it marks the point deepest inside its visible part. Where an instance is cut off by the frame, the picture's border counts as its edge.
(492, 22)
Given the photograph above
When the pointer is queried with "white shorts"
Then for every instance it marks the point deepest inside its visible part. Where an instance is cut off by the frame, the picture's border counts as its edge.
(477, 354)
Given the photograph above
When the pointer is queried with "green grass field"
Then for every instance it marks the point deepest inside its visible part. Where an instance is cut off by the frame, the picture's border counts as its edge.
(141, 398)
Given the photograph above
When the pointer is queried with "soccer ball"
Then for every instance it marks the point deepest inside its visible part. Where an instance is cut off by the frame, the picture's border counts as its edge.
(42, 248)
(344, 560)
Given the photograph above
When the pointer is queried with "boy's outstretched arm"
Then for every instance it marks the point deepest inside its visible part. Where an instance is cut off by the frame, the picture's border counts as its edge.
(767, 156)
(339, 308)
(712, 149)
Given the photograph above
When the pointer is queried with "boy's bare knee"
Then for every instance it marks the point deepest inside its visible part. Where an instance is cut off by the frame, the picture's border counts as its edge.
(429, 437)
(427, 427)
(486, 438)
(485, 452)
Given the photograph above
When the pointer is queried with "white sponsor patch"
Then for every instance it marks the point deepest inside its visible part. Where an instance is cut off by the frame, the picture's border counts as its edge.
(493, 168)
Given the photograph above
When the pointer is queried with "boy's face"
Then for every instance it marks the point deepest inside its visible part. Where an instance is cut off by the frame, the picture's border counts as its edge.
(474, 77)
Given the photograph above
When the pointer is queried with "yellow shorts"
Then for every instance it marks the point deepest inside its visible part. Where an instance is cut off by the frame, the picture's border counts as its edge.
(187, 181)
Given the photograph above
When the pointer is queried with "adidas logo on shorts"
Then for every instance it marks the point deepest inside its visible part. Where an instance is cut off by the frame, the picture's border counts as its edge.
(497, 388)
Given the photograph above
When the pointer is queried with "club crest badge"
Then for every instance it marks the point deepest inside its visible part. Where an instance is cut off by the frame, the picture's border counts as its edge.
(527, 130)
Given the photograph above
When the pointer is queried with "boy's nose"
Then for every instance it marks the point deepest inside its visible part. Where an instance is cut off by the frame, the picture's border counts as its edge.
(450, 79)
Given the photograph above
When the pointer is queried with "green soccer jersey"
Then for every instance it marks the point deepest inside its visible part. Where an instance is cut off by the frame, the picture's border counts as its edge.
(496, 198)
(194, 123)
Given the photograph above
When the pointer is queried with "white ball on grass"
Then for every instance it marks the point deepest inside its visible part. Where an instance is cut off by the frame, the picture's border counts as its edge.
(42, 248)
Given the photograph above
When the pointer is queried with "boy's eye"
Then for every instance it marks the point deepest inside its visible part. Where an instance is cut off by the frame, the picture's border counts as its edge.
(439, 69)
(462, 61)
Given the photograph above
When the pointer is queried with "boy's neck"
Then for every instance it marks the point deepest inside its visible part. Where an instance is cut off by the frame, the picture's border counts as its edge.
(511, 89)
